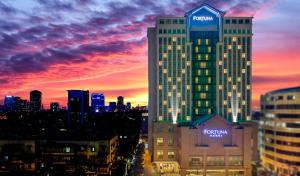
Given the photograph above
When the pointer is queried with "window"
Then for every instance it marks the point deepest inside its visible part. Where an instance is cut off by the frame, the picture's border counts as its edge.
(160, 141)
(196, 161)
(161, 21)
(181, 21)
(171, 155)
(233, 21)
(247, 21)
(241, 21)
(235, 160)
(215, 160)
(227, 21)
(291, 97)
(160, 154)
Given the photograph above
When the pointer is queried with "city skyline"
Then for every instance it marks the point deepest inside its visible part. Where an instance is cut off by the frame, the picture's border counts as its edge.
(100, 51)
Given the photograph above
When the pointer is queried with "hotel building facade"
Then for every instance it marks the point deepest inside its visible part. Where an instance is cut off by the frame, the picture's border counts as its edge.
(280, 131)
(199, 66)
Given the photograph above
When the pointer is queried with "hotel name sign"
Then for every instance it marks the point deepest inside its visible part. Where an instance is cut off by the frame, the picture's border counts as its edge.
(215, 133)
(203, 18)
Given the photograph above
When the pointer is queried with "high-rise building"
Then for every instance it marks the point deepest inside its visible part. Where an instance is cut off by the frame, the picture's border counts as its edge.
(23, 105)
(199, 66)
(35, 101)
(128, 105)
(98, 102)
(78, 106)
(112, 106)
(280, 131)
(120, 103)
(9, 103)
(54, 106)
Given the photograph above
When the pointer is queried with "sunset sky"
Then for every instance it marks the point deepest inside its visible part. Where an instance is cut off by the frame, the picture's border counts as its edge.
(101, 45)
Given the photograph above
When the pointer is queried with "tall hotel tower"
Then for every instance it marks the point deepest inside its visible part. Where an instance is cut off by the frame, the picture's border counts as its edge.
(199, 65)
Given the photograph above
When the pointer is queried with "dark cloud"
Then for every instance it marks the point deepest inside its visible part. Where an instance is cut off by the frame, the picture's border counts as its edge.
(57, 5)
(7, 9)
(263, 79)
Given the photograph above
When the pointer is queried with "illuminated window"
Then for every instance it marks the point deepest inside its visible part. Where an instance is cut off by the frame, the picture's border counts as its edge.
(199, 87)
(243, 55)
(183, 70)
(196, 111)
(239, 79)
(165, 70)
(203, 95)
(206, 72)
(243, 71)
(248, 87)
(171, 142)
(196, 49)
(174, 39)
(220, 87)
(183, 55)
(206, 56)
(169, 94)
(225, 70)
(160, 154)
(171, 155)
(229, 79)
(178, 47)
(165, 102)
(220, 62)
(206, 86)
(196, 79)
(206, 41)
(199, 103)
(234, 39)
(183, 103)
(248, 117)
(188, 63)
(234, 87)
(160, 118)
(229, 46)
(169, 47)
(178, 79)
(239, 47)
(239, 94)
(160, 63)
(229, 94)
(248, 63)
(160, 141)
(188, 117)
(188, 87)
(178, 94)
(209, 49)
(173, 87)
(199, 41)
(243, 102)
(225, 102)
(206, 103)
(199, 72)
(160, 86)
(170, 110)
(203, 64)
(164, 55)
(239, 110)
(169, 79)
(225, 55)
(179, 110)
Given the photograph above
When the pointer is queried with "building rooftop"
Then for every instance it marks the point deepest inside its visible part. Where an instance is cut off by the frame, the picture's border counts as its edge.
(286, 90)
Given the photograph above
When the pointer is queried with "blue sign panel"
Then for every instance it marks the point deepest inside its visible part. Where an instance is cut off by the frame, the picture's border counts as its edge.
(204, 19)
